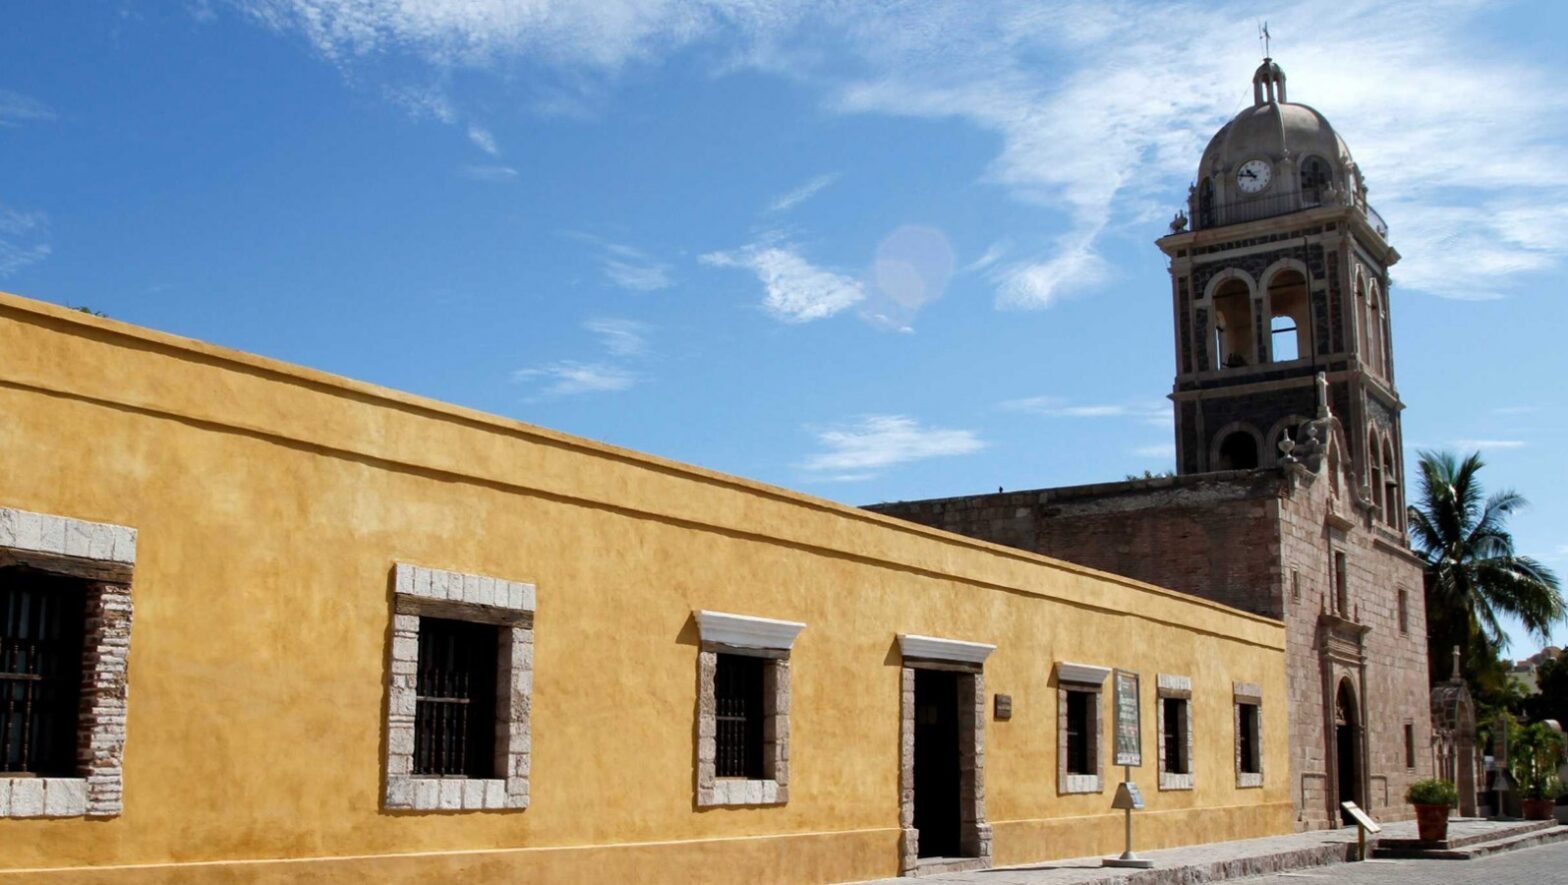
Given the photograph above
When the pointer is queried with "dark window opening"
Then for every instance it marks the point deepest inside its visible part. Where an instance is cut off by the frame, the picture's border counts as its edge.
(1410, 745)
(1080, 732)
(1404, 611)
(1251, 762)
(1341, 584)
(737, 690)
(1174, 712)
(1238, 451)
(1295, 585)
(454, 716)
(40, 672)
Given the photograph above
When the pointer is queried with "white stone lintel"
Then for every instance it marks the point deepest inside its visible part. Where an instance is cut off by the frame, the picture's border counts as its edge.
(931, 648)
(1249, 692)
(46, 533)
(443, 585)
(1083, 674)
(1173, 685)
(746, 631)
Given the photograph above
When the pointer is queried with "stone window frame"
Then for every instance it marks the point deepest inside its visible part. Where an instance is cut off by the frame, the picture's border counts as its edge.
(1409, 734)
(968, 660)
(771, 640)
(1090, 679)
(1248, 695)
(420, 592)
(104, 556)
(1174, 688)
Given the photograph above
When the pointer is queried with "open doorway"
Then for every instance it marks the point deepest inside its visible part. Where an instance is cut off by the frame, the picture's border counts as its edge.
(1347, 758)
(937, 768)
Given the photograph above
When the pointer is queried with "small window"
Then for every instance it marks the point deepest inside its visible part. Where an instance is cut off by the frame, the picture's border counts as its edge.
(1174, 713)
(454, 714)
(1283, 331)
(1249, 757)
(1295, 585)
(1341, 584)
(1080, 733)
(737, 690)
(1404, 612)
(1410, 745)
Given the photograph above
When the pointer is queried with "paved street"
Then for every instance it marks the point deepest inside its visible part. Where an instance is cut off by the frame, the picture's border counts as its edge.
(1529, 866)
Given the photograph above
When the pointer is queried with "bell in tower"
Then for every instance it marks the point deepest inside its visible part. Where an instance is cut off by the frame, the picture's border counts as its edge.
(1282, 277)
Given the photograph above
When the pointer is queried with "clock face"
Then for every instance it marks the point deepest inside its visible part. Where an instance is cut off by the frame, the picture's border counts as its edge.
(1254, 176)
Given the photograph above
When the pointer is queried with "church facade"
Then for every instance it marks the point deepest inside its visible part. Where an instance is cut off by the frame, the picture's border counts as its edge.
(1288, 498)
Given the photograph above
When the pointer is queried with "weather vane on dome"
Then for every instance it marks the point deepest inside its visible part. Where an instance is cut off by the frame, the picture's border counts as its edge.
(1263, 37)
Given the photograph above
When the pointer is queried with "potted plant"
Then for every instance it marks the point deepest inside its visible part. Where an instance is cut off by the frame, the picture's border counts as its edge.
(1432, 799)
(1534, 758)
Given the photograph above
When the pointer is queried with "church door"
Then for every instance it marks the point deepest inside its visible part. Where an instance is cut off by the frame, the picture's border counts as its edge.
(1346, 756)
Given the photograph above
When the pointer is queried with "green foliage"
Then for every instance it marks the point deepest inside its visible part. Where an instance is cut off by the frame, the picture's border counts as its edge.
(89, 311)
(1534, 756)
(1551, 677)
(1432, 791)
(1150, 474)
(1473, 575)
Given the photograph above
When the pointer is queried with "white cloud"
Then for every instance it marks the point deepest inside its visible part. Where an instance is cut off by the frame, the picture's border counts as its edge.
(795, 290)
(1489, 444)
(17, 109)
(483, 139)
(1516, 410)
(489, 173)
(1161, 450)
(423, 102)
(627, 266)
(1154, 413)
(881, 441)
(993, 253)
(803, 193)
(620, 337)
(568, 377)
(1100, 109)
(22, 239)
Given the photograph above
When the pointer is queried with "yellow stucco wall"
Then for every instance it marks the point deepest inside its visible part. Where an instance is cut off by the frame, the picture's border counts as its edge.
(271, 502)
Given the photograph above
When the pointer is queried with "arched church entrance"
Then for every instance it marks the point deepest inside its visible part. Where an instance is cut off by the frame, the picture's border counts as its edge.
(1347, 758)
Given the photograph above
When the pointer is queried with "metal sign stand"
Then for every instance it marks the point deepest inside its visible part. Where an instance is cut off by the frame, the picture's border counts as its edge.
(1128, 799)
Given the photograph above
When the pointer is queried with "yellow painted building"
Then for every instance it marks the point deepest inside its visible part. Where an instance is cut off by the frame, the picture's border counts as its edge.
(288, 541)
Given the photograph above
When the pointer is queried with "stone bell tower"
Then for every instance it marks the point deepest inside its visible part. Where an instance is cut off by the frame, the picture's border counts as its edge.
(1279, 272)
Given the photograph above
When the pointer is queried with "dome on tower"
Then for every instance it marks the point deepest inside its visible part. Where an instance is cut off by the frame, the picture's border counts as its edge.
(1276, 156)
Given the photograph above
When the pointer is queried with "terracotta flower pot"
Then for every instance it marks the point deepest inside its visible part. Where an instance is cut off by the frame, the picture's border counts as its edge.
(1537, 809)
(1432, 822)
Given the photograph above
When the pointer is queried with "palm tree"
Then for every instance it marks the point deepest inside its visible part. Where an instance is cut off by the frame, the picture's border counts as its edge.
(1473, 576)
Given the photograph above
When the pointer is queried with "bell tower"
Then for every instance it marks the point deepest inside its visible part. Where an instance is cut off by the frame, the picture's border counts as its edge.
(1279, 273)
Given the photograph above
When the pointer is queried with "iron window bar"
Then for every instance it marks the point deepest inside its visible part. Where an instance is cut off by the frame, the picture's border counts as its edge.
(454, 709)
(40, 672)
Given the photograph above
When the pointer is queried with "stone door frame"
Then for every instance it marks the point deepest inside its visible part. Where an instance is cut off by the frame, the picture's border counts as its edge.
(967, 660)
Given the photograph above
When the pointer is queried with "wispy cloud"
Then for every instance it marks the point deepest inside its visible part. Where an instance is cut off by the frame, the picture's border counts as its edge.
(567, 378)
(423, 102)
(1516, 410)
(23, 239)
(495, 172)
(993, 253)
(17, 109)
(483, 139)
(803, 193)
(620, 337)
(1489, 444)
(877, 442)
(1159, 450)
(794, 289)
(1152, 412)
(626, 266)
(1100, 109)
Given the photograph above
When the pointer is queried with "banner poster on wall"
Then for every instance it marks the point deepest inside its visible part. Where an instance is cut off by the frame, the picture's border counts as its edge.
(1129, 734)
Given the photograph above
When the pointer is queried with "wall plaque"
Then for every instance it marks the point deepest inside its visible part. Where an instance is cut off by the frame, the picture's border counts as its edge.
(1004, 707)
(1129, 725)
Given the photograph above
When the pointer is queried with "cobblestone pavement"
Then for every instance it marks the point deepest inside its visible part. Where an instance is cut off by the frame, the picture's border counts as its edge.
(1545, 865)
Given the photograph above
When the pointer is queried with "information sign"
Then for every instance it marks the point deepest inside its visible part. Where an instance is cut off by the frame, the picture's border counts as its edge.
(1129, 725)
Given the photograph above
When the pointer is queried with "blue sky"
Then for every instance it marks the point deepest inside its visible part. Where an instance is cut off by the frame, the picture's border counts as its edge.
(869, 251)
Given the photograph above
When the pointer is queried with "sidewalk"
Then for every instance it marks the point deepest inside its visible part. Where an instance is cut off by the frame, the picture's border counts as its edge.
(1204, 863)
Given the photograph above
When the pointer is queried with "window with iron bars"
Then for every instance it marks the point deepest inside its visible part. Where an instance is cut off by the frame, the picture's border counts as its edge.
(454, 715)
(1250, 754)
(41, 627)
(1174, 711)
(737, 689)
